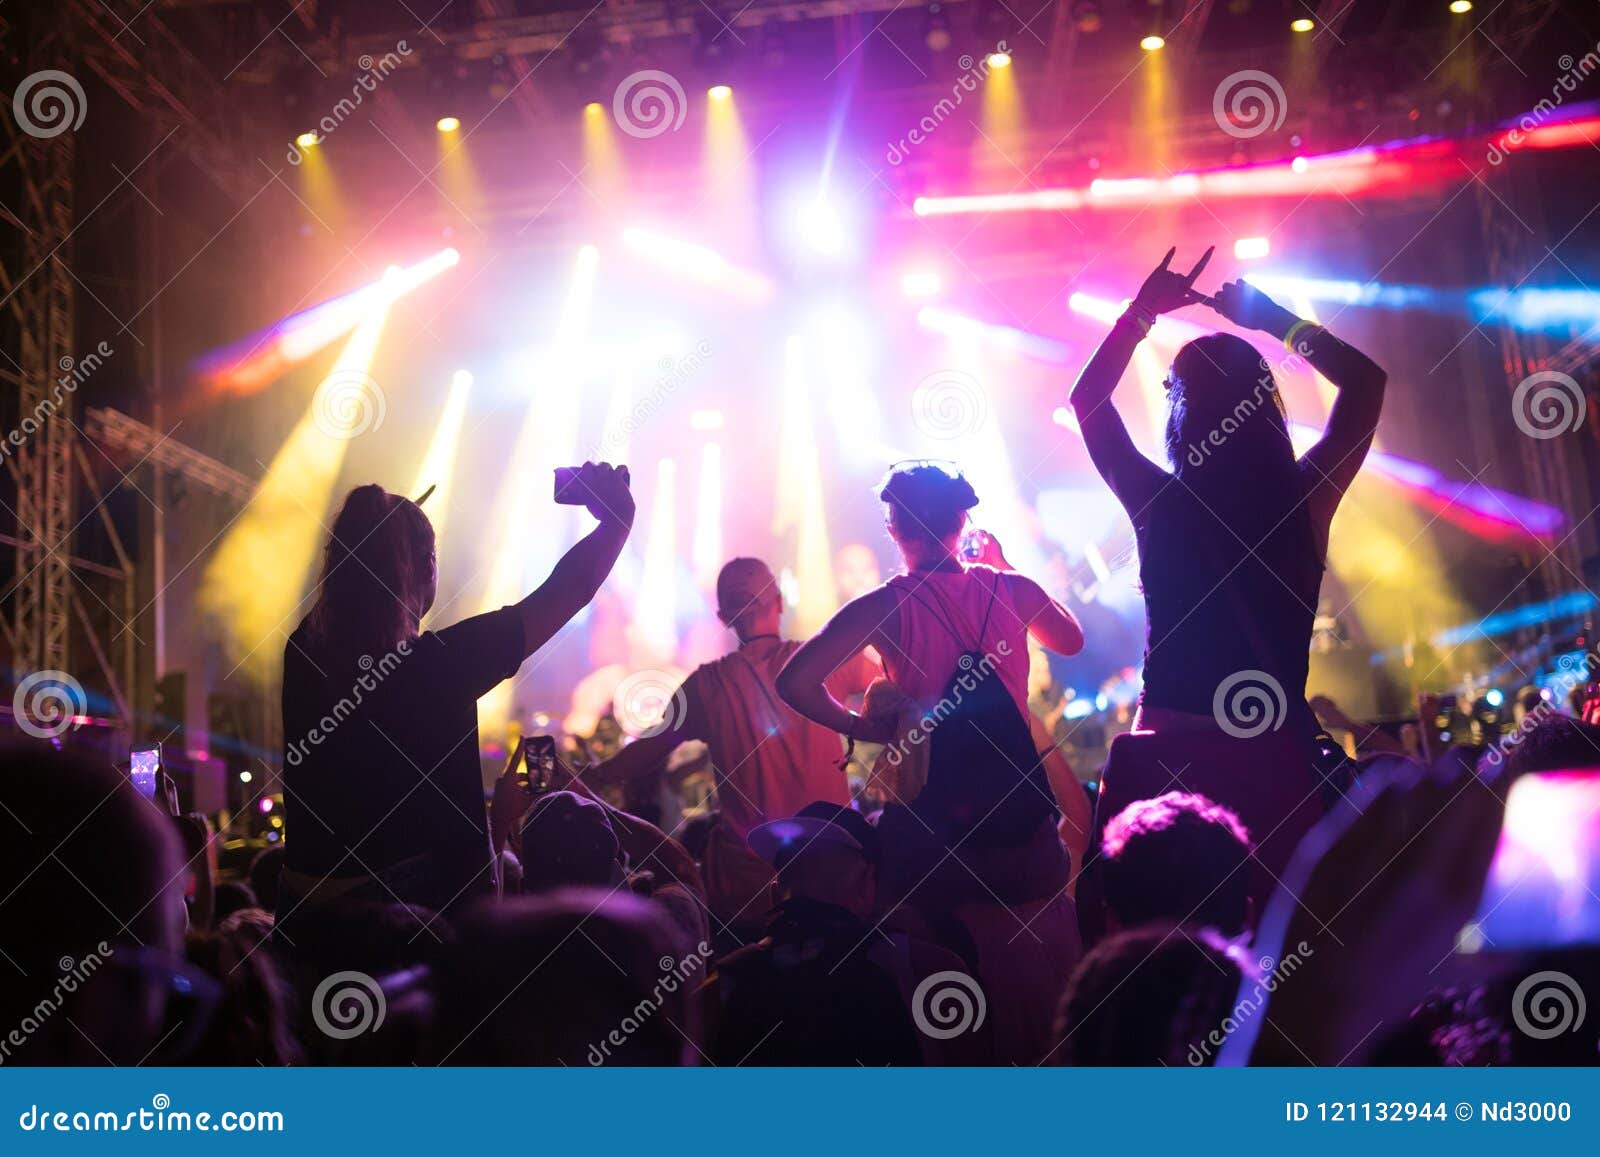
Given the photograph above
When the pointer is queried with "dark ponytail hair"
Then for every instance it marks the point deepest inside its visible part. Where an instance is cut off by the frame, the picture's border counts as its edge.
(927, 502)
(375, 578)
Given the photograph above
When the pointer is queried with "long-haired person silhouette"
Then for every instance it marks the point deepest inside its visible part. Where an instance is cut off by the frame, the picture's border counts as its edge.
(382, 786)
(1233, 539)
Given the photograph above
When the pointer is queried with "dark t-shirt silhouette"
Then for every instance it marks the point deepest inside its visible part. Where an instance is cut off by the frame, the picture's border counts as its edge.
(381, 771)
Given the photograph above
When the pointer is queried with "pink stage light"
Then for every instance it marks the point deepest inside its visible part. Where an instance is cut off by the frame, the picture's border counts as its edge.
(1400, 169)
(1490, 513)
(1004, 337)
(257, 361)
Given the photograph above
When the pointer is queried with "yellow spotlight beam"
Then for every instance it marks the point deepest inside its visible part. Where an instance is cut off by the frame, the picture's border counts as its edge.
(708, 558)
(532, 531)
(438, 464)
(655, 630)
(255, 582)
(1002, 108)
(602, 160)
(800, 497)
(458, 178)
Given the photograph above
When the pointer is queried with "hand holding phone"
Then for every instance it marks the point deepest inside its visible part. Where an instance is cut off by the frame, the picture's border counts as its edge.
(600, 487)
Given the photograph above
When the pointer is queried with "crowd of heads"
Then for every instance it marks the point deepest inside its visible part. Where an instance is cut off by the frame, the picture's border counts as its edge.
(595, 956)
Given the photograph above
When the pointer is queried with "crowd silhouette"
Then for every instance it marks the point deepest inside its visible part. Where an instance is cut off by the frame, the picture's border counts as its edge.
(1222, 898)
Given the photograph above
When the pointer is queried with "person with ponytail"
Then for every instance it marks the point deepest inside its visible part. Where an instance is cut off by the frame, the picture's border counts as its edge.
(383, 791)
(971, 850)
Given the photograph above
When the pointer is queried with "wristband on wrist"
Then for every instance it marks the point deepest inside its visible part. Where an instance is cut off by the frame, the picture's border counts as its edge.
(1134, 316)
(1294, 332)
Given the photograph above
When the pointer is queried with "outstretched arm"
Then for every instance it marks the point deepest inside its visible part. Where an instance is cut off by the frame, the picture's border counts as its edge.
(577, 578)
(802, 683)
(1132, 477)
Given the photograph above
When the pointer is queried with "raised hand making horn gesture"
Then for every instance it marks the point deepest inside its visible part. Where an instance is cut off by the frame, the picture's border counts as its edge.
(1166, 289)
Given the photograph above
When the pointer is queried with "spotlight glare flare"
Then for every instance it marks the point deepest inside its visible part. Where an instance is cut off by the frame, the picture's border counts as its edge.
(999, 60)
(1152, 43)
(921, 283)
(1251, 248)
(447, 124)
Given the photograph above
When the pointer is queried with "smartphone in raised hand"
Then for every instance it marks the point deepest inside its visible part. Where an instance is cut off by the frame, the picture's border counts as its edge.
(539, 763)
(144, 768)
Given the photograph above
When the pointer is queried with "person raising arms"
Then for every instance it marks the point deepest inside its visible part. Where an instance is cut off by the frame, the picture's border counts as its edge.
(1233, 539)
(382, 787)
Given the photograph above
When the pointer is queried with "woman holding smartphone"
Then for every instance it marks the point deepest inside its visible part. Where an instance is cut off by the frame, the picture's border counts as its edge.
(382, 787)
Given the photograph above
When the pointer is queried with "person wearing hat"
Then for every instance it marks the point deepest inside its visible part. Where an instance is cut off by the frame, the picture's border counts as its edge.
(768, 760)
